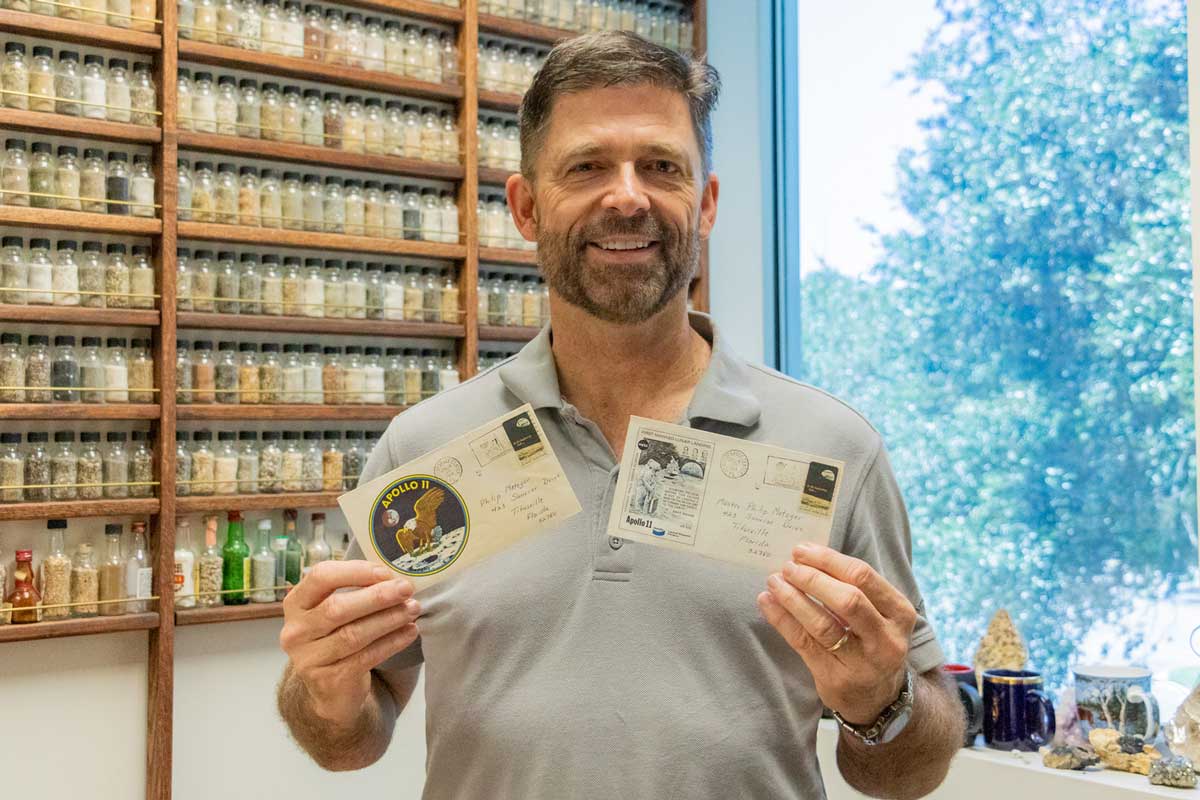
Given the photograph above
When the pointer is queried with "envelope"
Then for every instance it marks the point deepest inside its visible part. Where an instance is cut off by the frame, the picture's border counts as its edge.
(451, 508)
(741, 502)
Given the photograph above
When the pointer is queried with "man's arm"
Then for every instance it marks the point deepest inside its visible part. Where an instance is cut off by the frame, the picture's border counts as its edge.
(914, 763)
(337, 747)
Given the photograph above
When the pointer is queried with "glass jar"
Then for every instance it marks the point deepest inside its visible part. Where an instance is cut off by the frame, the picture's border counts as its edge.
(41, 176)
(272, 286)
(183, 189)
(355, 38)
(93, 180)
(249, 384)
(333, 121)
(41, 80)
(373, 379)
(311, 461)
(64, 467)
(412, 377)
(90, 467)
(250, 26)
(226, 106)
(141, 278)
(41, 273)
(141, 187)
(92, 266)
(414, 51)
(203, 105)
(143, 95)
(393, 211)
(228, 283)
(64, 370)
(332, 462)
(183, 465)
(141, 465)
(227, 369)
(204, 194)
(292, 370)
(210, 568)
(203, 463)
(335, 38)
(14, 174)
(118, 92)
(334, 205)
(314, 288)
(355, 207)
(314, 366)
(291, 115)
(293, 288)
(270, 200)
(14, 77)
(393, 377)
(374, 45)
(393, 48)
(270, 113)
(139, 574)
(36, 480)
(354, 291)
(37, 369)
(68, 84)
(24, 597)
(291, 463)
(116, 371)
(412, 213)
(250, 285)
(204, 375)
(248, 463)
(228, 16)
(205, 29)
(270, 468)
(373, 290)
(293, 29)
(291, 202)
(270, 375)
(14, 271)
(314, 33)
(412, 132)
(314, 203)
(248, 200)
(116, 184)
(249, 109)
(94, 88)
(333, 378)
(116, 466)
(431, 215)
(204, 282)
(65, 275)
(183, 372)
(91, 371)
(225, 461)
(393, 293)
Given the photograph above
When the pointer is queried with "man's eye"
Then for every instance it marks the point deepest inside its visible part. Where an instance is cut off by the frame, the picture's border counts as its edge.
(585, 167)
(666, 167)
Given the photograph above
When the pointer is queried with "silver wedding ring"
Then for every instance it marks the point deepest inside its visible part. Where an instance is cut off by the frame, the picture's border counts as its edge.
(841, 641)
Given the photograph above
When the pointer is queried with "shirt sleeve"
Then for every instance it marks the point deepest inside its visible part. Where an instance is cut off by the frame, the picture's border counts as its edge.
(878, 533)
(379, 462)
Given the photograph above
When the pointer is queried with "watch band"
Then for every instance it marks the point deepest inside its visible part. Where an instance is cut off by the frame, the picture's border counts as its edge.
(872, 735)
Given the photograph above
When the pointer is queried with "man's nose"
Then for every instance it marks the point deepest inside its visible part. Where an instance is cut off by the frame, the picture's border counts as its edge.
(626, 194)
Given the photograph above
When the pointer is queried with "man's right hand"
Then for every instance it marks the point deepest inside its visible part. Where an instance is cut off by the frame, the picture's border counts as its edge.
(334, 639)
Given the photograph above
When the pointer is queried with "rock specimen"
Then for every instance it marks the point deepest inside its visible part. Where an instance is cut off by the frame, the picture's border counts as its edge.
(1183, 731)
(1000, 648)
(1122, 752)
(1063, 757)
(1177, 772)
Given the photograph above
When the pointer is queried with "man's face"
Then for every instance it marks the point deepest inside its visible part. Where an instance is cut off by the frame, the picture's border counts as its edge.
(618, 208)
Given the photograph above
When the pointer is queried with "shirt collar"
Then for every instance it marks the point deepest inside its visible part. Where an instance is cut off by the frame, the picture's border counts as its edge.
(723, 393)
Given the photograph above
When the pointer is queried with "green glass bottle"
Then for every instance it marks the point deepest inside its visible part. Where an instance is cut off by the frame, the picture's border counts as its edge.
(237, 561)
(295, 550)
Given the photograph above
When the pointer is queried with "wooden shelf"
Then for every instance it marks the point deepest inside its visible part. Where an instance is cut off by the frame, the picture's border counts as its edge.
(504, 255)
(93, 411)
(507, 333)
(326, 156)
(306, 69)
(434, 12)
(79, 221)
(499, 101)
(207, 616)
(68, 30)
(78, 627)
(215, 232)
(255, 502)
(47, 123)
(494, 176)
(74, 315)
(79, 508)
(520, 29)
(234, 412)
(342, 327)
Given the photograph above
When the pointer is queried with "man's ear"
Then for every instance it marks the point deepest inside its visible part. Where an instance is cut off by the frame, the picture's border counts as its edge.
(521, 204)
(708, 205)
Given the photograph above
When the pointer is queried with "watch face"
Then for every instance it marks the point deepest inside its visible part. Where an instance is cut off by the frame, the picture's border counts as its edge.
(898, 724)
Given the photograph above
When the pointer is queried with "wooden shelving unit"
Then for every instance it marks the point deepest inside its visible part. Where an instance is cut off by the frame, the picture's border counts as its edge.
(241, 613)
(166, 231)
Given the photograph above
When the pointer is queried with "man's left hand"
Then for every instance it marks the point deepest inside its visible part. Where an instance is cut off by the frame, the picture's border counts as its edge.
(822, 596)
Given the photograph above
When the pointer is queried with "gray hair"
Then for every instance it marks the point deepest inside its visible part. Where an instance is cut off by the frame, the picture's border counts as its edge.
(617, 58)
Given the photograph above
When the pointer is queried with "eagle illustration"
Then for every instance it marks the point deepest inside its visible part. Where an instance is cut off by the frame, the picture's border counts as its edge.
(417, 533)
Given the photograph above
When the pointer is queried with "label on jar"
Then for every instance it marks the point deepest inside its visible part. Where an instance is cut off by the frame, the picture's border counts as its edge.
(246, 574)
(145, 583)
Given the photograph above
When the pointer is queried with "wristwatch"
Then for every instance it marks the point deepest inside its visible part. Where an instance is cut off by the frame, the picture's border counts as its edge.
(891, 722)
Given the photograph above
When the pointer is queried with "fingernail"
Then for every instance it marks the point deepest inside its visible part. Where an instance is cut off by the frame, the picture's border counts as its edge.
(382, 573)
(775, 582)
(790, 568)
(802, 549)
(412, 607)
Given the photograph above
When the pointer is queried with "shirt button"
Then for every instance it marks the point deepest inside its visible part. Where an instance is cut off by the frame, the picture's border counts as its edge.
(615, 542)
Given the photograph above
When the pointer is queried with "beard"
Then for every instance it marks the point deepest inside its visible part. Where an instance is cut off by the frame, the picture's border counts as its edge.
(626, 294)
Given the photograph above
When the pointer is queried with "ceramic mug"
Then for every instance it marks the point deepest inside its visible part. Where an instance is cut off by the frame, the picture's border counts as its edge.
(968, 695)
(1116, 697)
(1017, 714)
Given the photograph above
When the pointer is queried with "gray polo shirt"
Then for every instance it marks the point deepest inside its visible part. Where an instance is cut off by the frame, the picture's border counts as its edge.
(576, 665)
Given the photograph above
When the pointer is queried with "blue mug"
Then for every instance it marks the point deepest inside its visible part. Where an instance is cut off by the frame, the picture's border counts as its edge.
(1017, 714)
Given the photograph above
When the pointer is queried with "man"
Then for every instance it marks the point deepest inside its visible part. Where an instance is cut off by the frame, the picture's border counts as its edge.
(578, 666)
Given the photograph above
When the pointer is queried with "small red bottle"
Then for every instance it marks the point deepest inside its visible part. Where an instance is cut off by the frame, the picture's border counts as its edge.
(24, 595)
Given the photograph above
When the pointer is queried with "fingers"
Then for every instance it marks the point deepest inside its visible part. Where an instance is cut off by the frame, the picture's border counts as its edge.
(329, 576)
(343, 608)
(362, 634)
(824, 628)
(887, 599)
(378, 651)
(789, 628)
(848, 602)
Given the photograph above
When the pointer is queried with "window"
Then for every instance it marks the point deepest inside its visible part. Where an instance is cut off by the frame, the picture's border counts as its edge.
(995, 269)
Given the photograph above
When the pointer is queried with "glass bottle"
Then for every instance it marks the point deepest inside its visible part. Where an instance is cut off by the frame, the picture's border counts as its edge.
(227, 369)
(412, 377)
(141, 278)
(414, 295)
(118, 94)
(185, 15)
(204, 281)
(292, 390)
(374, 45)
(312, 454)
(431, 215)
(393, 211)
(143, 95)
(64, 370)
(430, 374)
(14, 271)
(228, 14)
(183, 465)
(204, 374)
(93, 179)
(334, 205)
(355, 39)
(249, 375)
(291, 115)
(90, 466)
(64, 468)
(249, 109)
(67, 179)
(393, 48)
(205, 29)
(413, 53)
(112, 574)
(293, 554)
(314, 366)
(393, 293)
(248, 463)
(183, 194)
(204, 104)
(412, 213)
(354, 207)
(373, 383)
(450, 312)
(314, 32)
(183, 373)
(12, 468)
(85, 582)
(91, 371)
(431, 57)
(91, 276)
(374, 209)
(64, 276)
(312, 116)
(185, 566)
(293, 288)
(293, 29)
(210, 568)
(24, 597)
(141, 188)
(447, 372)
(314, 203)
(353, 375)
(236, 562)
(37, 370)
(249, 201)
(14, 174)
(449, 60)
(431, 293)
(14, 77)
(94, 88)
(270, 375)
(291, 202)
(270, 200)
(334, 119)
(203, 463)
(116, 372)
(228, 283)
(141, 464)
(318, 549)
(41, 176)
(333, 377)
(225, 460)
(335, 38)
(332, 462)
(314, 289)
(250, 26)
(449, 218)
(292, 463)
(226, 105)
(139, 572)
(204, 198)
(412, 132)
(262, 581)
(354, 289)
(116, 184)
(116, 466)
(373, 292)
(393, 377)
(41, 80)
(37, 467)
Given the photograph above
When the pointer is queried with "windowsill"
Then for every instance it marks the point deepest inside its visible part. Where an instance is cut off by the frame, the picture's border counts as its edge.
(993, 773)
